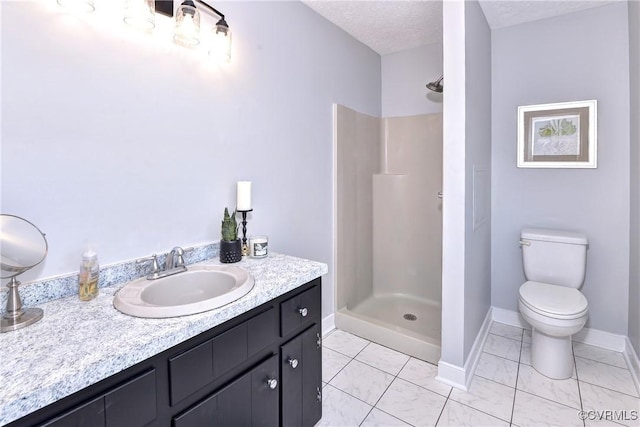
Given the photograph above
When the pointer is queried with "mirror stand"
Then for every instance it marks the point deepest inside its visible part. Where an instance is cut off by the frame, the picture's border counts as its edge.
(16, 317)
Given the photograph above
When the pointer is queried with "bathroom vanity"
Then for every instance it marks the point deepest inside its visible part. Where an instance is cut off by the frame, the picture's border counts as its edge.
(259, 364)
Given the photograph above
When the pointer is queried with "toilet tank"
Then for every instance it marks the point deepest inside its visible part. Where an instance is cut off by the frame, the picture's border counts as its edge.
(554, 256)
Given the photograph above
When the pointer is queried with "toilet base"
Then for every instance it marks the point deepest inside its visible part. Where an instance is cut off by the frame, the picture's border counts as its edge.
(552, 356)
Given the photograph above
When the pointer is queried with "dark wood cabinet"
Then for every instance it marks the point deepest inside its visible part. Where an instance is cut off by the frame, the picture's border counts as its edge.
(251, 400)
(301, 366)
(239, 373)
(132, 404)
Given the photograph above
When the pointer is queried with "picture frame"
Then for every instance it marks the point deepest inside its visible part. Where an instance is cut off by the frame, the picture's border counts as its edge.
(559, 135)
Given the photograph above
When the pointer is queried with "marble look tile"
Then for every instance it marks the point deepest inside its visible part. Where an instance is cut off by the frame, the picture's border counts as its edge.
(498, 369)
(606, 376)
(384, 358)
(423, 374)
(596, 398)
(526, 337)
(411, 403)
(341, 409)
(345, 343)
(332, 363)
(377, 418)
(456, 415)
(525, 353)
(530, 410)
(362, 381)
(487, 396)
(561, 391)
(599, 354)
(508, 331)
(503, 347)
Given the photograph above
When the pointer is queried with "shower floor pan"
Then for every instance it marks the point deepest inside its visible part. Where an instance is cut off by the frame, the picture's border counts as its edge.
(407, 324)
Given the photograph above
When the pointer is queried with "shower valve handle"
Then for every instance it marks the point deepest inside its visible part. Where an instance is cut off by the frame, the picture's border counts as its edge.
(303, 311)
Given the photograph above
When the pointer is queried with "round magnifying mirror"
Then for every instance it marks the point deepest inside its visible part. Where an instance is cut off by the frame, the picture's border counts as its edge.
(22, 246)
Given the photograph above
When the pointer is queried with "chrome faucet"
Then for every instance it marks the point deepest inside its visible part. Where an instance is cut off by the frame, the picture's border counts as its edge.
(174, 264)
(175, 259)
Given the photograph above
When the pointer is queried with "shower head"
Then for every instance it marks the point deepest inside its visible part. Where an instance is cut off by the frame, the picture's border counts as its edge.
(437, 86)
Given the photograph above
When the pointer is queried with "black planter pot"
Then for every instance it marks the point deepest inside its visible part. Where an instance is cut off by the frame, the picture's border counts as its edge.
(230, 251)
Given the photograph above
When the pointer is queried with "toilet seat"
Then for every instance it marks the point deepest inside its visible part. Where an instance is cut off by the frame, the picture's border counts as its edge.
(555, 301)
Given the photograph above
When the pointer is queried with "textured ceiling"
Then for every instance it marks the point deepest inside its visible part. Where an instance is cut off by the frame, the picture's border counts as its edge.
(383, 25)
(388, 26)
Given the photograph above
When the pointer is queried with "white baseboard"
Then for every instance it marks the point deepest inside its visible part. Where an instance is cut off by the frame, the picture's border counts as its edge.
(509, 317)
(460, 377)
(633, 362)
(328, 324)
(589, 336)
(594, 337)
(601, 339)
(452, 375)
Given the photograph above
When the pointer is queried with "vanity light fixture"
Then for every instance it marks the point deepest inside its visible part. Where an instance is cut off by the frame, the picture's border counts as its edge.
(78, 5)
(140, 14)
(187, 29)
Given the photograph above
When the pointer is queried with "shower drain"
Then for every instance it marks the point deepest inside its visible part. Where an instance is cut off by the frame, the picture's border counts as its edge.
(410, 316)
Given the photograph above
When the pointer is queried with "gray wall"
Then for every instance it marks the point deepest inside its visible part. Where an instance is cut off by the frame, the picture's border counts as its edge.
(466, 280)
(404, 78)
(634, 271)
(135, 145)
(573, 57)
(477, 293)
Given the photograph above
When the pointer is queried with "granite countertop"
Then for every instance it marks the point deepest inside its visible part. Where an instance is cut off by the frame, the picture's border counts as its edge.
(78, 343)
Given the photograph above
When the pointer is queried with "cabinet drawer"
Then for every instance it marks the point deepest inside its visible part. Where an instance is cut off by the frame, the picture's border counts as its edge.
(133, 403)
(262, 330)
(229, 349)
(195, 368)
(191, 370)
(89, 414)
(300, 310)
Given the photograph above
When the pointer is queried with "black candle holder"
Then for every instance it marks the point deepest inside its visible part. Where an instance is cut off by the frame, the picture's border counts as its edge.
(245, 248)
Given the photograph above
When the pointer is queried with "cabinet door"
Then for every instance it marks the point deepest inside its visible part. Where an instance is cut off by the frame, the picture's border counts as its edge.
(311, 376)
(291, 371)
(234, 403)
(89, 414)
(265, 394)
(248, 401)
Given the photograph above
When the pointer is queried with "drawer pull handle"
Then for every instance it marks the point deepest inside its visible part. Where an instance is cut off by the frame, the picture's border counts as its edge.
(293, 363)
(318, 394)
(318, 340)
(303, 311)
(272, 383)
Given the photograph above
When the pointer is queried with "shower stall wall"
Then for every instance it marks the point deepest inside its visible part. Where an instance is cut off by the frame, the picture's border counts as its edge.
(389, 224)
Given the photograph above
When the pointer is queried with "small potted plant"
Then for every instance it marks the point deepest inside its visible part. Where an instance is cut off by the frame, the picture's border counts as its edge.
(230, 245)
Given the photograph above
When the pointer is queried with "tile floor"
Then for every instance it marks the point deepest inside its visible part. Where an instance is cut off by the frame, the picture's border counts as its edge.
(366, 384)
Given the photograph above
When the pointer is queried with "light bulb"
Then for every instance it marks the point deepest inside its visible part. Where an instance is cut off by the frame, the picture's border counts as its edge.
(187, 32)
(140, 14)
(78, 5)
(221, 45)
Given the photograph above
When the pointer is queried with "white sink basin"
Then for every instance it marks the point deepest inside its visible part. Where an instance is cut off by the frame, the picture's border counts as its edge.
(198, 289)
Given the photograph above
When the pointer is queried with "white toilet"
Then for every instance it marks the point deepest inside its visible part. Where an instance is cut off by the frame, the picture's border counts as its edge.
(554, 265)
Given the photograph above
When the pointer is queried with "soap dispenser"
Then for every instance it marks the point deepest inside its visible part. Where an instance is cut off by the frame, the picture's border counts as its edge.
(88, 276)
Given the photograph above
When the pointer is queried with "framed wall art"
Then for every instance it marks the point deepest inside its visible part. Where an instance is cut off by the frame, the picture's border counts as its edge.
(560, 135)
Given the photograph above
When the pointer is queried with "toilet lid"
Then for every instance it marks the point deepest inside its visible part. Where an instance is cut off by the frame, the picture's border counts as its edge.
(553, 299)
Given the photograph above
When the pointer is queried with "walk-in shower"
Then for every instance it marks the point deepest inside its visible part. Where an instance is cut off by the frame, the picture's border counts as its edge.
(389, 229)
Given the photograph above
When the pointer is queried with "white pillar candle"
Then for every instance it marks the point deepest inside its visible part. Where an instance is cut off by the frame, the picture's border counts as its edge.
(243, 196)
